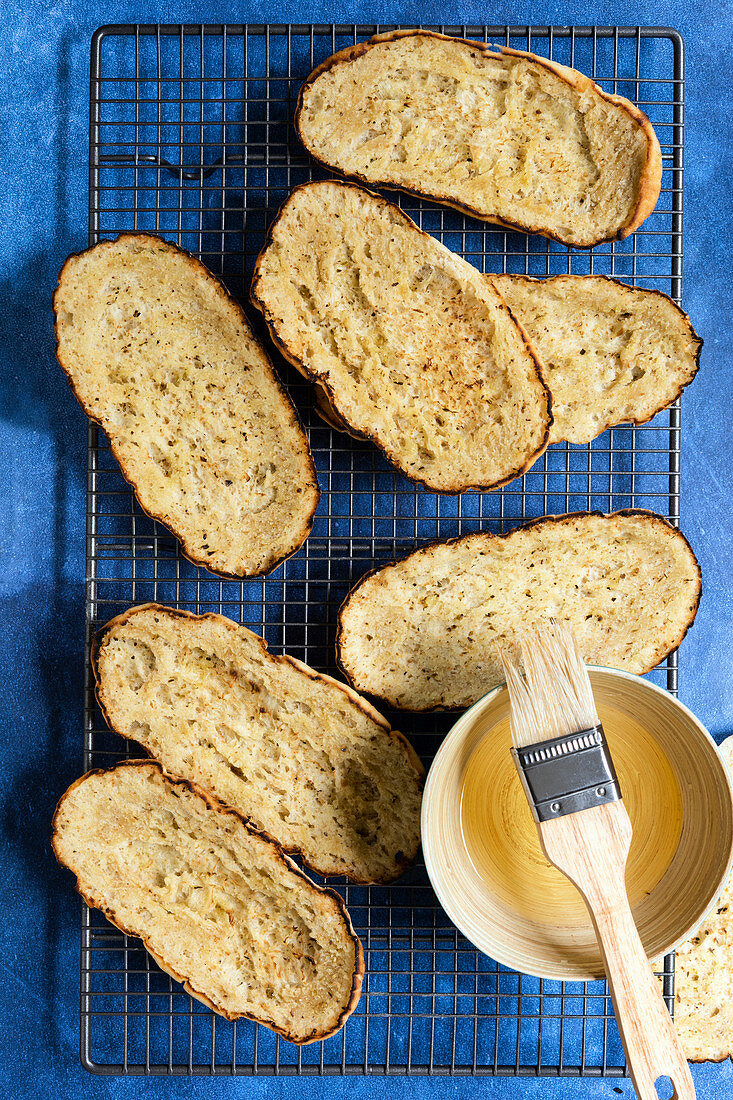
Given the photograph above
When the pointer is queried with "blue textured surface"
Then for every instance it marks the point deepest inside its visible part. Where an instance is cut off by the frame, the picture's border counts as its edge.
(42, 456)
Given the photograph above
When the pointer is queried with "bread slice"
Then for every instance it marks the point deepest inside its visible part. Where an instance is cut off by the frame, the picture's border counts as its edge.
(412, 346)
(302, 756)
(424, 633)
(610, 353)
(217, 904)
(160, 355)
(703, 981)
(500, 134)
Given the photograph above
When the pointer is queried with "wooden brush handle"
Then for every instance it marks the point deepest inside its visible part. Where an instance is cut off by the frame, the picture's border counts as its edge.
(591, 848)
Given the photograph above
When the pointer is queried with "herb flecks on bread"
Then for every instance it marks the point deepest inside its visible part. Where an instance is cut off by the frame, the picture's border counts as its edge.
(412, 347)
(504, 135)
(218, 906)
(425, 632)
(301, 755)
(703, 977)
(610, 353)
(165, 361)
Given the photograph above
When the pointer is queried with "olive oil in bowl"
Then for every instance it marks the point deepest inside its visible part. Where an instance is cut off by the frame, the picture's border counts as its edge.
(501, 837)
(483, 856)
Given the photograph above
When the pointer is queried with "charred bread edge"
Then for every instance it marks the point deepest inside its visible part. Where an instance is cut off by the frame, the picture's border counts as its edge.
(364, 705)
(650, 181)
(326, 391)
(564, 517)
(331, 417)
(214, 804)
(641, 290)
(295, 419)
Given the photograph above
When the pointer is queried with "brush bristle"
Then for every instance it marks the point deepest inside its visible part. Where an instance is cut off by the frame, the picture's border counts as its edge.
(554, 697)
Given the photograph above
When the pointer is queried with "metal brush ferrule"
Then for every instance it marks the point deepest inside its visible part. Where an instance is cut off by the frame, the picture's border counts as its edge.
(567, 774)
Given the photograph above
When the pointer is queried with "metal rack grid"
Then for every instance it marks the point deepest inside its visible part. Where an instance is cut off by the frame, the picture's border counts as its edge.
(191, 137)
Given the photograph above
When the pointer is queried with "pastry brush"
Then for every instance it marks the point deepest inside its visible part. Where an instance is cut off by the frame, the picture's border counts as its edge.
(568, 776)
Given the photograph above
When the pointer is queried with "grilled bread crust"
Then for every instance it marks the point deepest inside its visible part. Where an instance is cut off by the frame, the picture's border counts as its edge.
(409, 345)
(610, 353)
(301, 755)
(703, 983)
(161, 356)
(217, 904)
(424, 633)
(500, 134)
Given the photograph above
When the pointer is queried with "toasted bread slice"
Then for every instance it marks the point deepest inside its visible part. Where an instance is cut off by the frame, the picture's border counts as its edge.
(217, 904)
(500, 134)
(160, 355)
(410, 344)
(302, 756)
(424, 633)
(610, 353)
(703, 976)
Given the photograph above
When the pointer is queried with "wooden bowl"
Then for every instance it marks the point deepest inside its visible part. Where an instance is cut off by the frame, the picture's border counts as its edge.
(483, 856)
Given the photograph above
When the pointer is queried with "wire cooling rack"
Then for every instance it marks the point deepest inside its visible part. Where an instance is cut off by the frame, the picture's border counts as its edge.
(191, 137)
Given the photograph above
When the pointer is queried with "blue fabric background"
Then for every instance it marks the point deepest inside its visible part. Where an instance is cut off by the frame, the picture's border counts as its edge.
(45, 59)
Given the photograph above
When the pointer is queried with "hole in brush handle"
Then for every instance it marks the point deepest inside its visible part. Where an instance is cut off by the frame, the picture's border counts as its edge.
(665, 1088)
